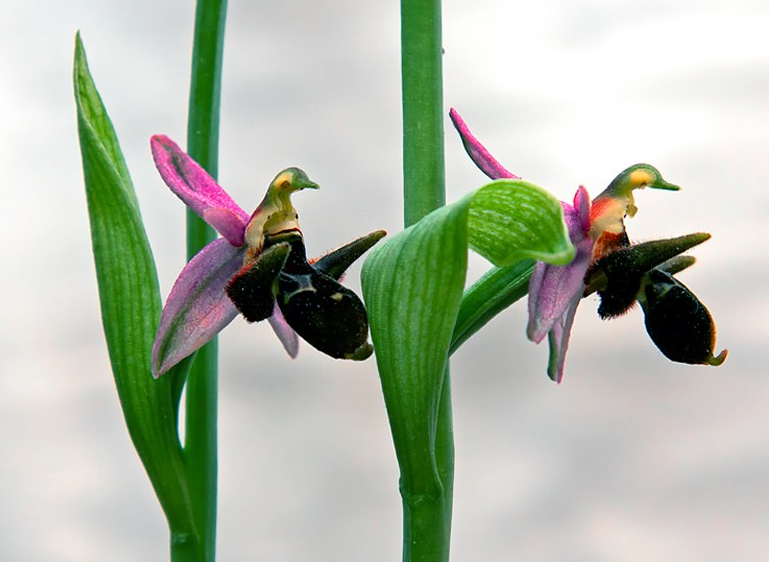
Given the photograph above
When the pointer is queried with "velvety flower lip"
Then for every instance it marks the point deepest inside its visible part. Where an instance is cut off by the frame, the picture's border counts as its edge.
(258, 269)
(597, 231)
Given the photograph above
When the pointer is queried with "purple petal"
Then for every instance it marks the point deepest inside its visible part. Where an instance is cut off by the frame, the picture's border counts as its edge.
(582, 208)
(227, 223)
(285, 333)
(558, 339)
(197, 308)
(477, 152)
(553, 289)
(192, 184)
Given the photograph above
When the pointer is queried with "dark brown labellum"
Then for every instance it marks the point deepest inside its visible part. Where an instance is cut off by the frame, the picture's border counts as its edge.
(327, 315)
(677, 322)
(324, 313)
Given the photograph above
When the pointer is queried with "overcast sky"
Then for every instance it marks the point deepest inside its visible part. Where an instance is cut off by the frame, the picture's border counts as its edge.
(632, 458)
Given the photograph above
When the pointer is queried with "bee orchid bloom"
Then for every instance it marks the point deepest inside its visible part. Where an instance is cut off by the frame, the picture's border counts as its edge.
(597, 230)
(257, 268)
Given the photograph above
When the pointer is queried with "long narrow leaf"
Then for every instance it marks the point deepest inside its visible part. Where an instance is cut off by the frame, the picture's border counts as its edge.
(130, 300)
(499, 288)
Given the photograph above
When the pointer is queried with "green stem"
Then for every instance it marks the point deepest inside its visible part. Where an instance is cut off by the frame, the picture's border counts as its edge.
(426, 513)
(427, 500)
(200, 451)
(422, 74)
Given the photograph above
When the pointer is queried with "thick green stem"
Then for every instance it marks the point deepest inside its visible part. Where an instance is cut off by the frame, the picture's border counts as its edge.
(426, 512)
(200, 451)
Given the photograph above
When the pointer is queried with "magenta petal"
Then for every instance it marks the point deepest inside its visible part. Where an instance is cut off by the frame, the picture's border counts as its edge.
(558, 339)
(197, 308)
(191, 183)
(228, 224)
(552, 289)
(477, 152)
(555, 291)
(285, 333)
(582, 208)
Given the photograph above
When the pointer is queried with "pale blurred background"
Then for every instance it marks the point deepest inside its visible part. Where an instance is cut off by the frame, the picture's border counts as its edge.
(632, 458)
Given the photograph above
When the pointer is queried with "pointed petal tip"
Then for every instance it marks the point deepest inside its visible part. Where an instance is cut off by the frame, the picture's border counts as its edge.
(718, 360)
(161, 365)
(477, 152)
(160, 142)
(535, 332)
(557, 378)
(362, 353)
(286, 334)
(293, 352)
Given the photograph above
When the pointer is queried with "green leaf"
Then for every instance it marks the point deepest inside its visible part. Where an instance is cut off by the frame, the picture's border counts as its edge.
(499, 288)
(130, 300)
(413, 285)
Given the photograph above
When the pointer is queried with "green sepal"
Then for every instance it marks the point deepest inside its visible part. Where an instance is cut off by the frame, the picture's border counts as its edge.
(514, 219)
(130, 301)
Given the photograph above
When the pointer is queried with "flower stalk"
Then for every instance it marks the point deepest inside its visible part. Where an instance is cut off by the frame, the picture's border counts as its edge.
(200, 451)
(427, 489)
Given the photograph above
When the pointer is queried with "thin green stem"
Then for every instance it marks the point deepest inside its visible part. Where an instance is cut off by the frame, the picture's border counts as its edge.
(426, 512)
(200, 449)
(422, 88)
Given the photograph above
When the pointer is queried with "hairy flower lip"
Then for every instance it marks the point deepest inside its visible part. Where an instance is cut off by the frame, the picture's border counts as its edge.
(617, 276)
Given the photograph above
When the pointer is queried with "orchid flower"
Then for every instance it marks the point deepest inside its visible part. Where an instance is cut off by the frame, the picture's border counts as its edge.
(621, 273)
(258, 268)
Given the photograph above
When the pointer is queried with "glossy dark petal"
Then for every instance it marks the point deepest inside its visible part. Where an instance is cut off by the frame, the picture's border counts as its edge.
(677, 322)
(328, 316)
